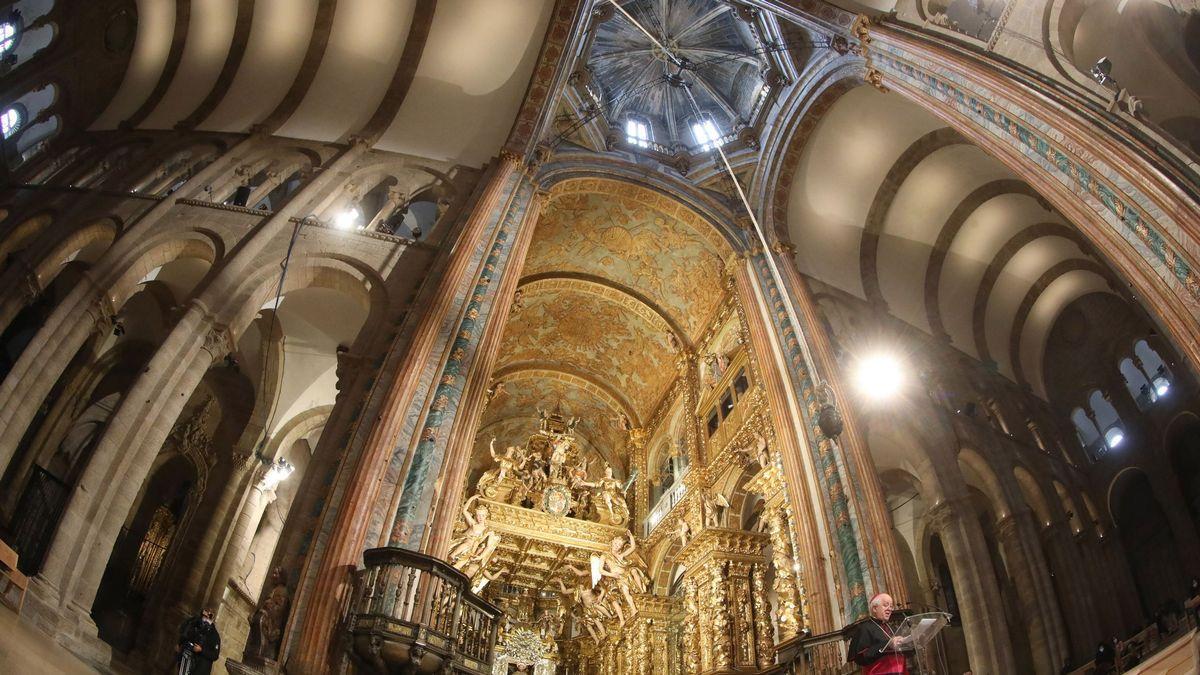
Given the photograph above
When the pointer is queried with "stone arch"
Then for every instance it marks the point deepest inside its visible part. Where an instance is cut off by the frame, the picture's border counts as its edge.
(98, 233)
(295, 428)
(801, 112)
(311, 271)
(22, 235)
(1032, 493)
(974, 466)
(154, 255)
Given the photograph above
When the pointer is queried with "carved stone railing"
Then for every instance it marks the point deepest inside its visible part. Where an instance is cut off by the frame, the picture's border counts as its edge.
(416, 614)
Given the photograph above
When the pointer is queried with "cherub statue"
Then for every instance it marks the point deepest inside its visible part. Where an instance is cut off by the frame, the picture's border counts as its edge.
(590, 605)
(477, 542)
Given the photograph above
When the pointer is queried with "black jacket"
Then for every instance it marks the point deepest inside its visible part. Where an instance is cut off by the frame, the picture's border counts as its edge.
(195, 631)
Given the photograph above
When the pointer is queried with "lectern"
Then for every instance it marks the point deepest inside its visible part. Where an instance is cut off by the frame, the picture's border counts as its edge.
(918, 632)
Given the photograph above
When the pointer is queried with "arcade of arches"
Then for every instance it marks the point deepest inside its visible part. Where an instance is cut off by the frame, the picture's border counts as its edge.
(599, 336)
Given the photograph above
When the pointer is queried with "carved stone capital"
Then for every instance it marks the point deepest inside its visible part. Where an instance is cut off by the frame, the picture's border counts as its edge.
(943, 514)
(102, 313)
(218, 341)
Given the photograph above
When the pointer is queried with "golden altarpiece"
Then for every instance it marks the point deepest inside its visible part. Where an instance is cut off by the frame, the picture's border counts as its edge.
(597, 575)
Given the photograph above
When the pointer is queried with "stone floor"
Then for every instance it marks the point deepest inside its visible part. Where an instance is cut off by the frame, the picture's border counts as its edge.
(23, 650)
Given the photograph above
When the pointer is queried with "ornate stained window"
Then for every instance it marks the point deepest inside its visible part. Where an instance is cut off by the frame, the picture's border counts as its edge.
(637, 132)
(10, 122)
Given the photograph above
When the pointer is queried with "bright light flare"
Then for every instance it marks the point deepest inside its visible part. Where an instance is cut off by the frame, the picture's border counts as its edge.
(347, 219)
(879, 376)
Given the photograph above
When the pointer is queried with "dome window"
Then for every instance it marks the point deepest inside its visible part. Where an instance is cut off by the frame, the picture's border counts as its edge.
(706, 134)
(637, 132)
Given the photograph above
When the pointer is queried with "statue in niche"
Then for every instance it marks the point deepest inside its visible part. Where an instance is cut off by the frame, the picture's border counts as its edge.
(683, 532)
(471, 551)
(266, 627)
(715, 508)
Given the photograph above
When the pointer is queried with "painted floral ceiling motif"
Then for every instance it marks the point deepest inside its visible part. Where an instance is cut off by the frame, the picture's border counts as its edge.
(617, 278)
(637, 240)
(560, 322)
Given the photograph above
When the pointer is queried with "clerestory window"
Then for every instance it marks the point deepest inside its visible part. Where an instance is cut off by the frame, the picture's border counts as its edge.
(8, 37)
(10, 122)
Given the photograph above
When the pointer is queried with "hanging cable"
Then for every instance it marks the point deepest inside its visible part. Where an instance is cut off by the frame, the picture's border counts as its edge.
(775, 274)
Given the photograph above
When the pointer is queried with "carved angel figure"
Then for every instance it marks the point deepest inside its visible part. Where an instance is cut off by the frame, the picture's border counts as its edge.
(683, 532)
(511, 461)
(477, 542)
(623, 565)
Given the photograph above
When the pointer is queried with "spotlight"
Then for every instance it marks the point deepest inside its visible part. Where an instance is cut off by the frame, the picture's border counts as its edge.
(879, 375)
(279, 471)
(347, 219)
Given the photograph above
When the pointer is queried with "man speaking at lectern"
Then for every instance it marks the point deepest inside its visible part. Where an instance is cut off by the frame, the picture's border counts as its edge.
(875, 645)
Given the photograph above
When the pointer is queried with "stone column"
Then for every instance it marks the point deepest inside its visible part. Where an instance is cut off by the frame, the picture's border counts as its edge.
(1078, 609)
(1041, 638)
(988, 645)
(121, 461)
(883, 554)
(1043, 585)
(244, 467)
(243, 531)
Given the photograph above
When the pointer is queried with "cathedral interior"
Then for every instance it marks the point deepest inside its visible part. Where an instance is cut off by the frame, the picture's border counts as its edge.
(599, 337)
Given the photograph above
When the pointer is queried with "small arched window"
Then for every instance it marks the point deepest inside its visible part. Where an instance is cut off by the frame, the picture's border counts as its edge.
(8, 37)
(10, 122)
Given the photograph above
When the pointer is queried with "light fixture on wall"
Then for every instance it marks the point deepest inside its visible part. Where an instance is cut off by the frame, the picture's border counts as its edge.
(347, 219)
(879, 375)
(278, 472)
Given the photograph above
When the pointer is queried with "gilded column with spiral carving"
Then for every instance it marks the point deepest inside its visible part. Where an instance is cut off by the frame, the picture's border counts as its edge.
(718, 612)
(764, 645)
(788, 615)
(693, 643)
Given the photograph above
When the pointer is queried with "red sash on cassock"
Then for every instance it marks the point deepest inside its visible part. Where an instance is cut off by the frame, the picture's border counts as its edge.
(888, 664)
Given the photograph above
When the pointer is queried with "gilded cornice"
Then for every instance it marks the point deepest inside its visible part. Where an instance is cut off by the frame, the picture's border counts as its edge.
(722, 544)
(531, 524)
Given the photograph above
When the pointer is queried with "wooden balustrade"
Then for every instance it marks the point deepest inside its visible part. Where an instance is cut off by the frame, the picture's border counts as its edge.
(415, 613)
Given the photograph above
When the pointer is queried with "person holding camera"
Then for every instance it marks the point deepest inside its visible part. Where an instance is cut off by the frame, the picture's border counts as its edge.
(199, 645)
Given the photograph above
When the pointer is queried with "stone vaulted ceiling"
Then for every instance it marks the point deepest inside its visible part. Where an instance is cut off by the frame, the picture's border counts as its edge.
(890, 205)
(447, 76)
(613, 271)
